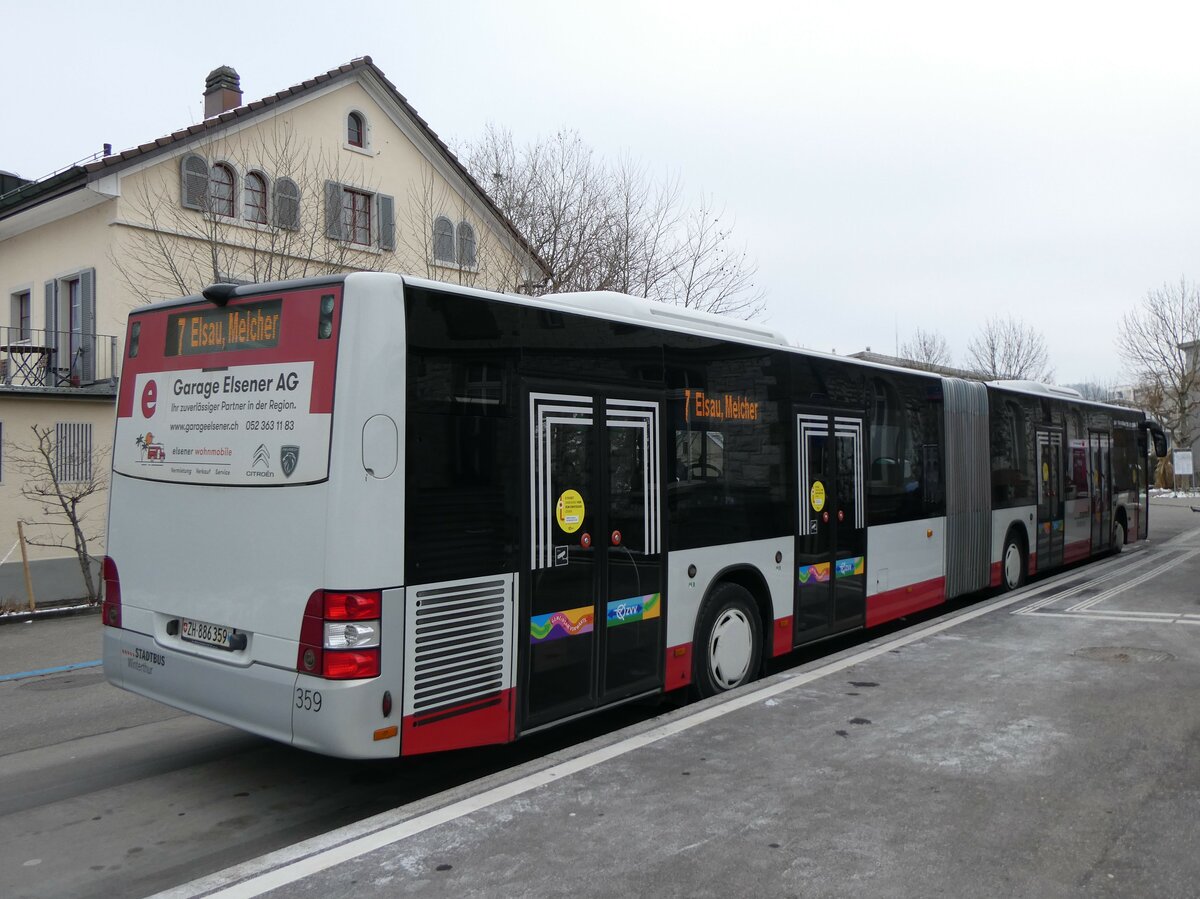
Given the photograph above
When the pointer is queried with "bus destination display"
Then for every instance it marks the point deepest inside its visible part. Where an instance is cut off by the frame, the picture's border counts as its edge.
(252, 326)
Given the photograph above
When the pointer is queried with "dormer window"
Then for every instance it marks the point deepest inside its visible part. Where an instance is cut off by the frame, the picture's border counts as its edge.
(356, 130)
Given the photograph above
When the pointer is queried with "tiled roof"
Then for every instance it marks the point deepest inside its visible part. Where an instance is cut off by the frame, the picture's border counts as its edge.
(116, 161)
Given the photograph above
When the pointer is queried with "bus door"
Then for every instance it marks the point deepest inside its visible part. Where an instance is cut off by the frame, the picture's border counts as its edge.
(592, 588)
(1050, 520)
(1100, 463)
(831, 533)
(1143, 478)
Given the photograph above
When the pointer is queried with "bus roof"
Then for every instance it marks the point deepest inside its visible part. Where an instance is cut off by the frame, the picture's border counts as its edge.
(594, 304)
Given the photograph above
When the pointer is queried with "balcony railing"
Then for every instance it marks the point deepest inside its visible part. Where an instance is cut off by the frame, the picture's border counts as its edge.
(38, 358)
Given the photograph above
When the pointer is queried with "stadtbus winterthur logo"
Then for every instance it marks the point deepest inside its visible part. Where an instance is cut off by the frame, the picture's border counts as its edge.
(289, 457)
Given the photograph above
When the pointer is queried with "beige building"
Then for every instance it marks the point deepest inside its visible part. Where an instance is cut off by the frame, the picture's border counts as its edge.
(336, 174)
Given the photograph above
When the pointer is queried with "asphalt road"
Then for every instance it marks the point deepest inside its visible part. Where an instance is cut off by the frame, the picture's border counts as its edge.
(105, 794)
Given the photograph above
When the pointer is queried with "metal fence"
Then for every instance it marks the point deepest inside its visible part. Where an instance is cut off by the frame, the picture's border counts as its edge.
(37, 358)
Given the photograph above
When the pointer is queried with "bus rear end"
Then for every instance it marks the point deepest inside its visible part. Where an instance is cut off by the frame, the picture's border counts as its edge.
(249, 577)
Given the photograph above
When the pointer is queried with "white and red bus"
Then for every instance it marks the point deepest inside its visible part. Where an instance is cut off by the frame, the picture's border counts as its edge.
(374, 516)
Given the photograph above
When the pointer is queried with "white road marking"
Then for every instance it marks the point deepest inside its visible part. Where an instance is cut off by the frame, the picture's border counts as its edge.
(1118, 616)
(1141, 579)
(1102, 574)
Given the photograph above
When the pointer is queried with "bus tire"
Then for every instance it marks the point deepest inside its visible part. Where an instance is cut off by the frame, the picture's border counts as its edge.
(1013, 562)
(728, 641)
(1118, 534)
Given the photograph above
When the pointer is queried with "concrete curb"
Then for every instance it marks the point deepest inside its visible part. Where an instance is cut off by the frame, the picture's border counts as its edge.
(68, 609)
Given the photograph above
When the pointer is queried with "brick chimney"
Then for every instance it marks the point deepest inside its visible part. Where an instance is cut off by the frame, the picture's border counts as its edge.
(222, 91)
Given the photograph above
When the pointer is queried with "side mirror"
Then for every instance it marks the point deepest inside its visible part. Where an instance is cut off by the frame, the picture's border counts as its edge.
(1158, 437)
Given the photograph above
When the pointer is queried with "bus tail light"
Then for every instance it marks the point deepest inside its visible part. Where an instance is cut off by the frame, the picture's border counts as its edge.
(357, 606)
(110, 611)
(339, 636)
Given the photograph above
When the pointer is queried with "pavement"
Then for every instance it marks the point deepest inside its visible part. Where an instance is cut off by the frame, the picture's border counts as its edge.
(1044, 743)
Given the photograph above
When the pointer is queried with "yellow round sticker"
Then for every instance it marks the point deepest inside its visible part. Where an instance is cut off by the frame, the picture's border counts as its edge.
(569, 511)
(816, 496)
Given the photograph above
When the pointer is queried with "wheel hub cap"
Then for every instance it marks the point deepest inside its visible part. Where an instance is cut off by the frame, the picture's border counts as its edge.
(731, 648)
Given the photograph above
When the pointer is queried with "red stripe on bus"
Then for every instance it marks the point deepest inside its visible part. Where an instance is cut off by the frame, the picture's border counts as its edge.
(679, 667)
(783, 636)
(479, 722)
(1080, 549)
(905, 600)
(995, 579)
(1032, 565)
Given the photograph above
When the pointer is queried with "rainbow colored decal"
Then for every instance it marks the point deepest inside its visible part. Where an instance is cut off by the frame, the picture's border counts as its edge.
(556, 625)
(850, 567)
(637, 608)
(814, 574)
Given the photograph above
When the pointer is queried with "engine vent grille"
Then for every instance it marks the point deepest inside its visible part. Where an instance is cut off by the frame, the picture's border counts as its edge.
(458, 643)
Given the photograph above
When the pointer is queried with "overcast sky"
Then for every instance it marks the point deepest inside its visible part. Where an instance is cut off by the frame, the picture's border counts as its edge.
(889, 165)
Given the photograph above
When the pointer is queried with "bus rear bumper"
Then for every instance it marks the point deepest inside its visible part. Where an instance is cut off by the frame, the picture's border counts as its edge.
(257, 699)
(338, 718)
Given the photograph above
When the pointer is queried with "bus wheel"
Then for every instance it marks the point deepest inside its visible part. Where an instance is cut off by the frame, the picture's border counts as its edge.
(1118, 539)
(1013, 565)
(728, 641)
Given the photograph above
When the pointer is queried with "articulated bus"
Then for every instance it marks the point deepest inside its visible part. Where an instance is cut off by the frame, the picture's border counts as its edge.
(371, 516)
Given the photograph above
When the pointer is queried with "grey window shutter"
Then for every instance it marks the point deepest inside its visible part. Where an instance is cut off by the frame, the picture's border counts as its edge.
(51, 315)
(86, 366)
(334, 228)
(443, 240)
(387, 222)
(466, 245)
(193, 180)
(287, 204)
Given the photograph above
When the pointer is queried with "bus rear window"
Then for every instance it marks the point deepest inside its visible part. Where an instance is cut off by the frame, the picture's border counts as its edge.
(250, 326)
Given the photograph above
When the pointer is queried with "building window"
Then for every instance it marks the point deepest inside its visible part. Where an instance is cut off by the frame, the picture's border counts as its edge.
(256, 198)
(220, 190)
(355, 130)
(356, 217)
(359, 217)
(466, 245)
(443, 240)
(72, 452)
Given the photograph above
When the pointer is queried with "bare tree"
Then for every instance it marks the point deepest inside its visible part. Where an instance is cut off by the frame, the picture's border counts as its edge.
(1156, 343)
(610, 226)
(64, 483)
(927, 350)
(176, 251)
(484, 258)
(1007, 348)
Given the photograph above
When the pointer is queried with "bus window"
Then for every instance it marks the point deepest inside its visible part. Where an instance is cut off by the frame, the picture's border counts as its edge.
(1078, 488)
(699, 455)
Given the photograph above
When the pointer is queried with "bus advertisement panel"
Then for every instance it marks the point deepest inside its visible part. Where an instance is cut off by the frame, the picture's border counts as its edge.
(236, 395)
